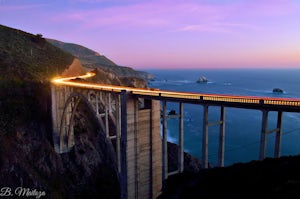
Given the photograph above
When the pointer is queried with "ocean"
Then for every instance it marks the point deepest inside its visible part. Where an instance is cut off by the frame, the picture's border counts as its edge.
(243, 126)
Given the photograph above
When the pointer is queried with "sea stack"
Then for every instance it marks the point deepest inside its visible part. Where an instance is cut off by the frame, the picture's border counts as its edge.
(277, 90)
(202, 79)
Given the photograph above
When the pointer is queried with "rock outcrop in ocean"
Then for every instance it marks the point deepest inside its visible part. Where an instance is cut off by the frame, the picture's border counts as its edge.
(277, 90)
(202, 79)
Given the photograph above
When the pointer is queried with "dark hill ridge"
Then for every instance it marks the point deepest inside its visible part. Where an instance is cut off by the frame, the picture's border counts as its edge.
(87, 56)
(91, 59)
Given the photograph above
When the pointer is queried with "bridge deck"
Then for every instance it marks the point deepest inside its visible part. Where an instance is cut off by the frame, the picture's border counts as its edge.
(249, 102)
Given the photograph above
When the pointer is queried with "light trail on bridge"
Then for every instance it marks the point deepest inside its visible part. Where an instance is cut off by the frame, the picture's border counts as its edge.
(197, 97)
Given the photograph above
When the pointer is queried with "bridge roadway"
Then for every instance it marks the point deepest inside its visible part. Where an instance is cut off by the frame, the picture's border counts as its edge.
(250, 102)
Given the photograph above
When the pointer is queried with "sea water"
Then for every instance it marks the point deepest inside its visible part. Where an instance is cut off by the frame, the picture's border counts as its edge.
(243, 126)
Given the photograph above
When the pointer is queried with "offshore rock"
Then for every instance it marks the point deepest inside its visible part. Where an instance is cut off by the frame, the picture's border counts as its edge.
(202, 79)
(277, 90)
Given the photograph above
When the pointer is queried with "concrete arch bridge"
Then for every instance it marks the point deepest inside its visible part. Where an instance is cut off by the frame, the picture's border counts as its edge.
(131, 119)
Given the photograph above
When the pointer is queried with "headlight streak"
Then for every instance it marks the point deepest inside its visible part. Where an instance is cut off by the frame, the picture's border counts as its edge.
(178, 95)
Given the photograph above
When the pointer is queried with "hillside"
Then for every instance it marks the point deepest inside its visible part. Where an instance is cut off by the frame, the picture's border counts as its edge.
(27, 157)
(28, 57)
(27, 63)
(87, 56)
(91, 59)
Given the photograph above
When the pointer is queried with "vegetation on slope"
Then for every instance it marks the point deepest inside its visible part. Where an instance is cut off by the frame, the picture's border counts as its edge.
(87, 56)
(28, 57)
(26, 61)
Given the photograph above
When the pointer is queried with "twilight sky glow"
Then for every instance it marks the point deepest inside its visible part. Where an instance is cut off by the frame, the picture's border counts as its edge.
(169, 33)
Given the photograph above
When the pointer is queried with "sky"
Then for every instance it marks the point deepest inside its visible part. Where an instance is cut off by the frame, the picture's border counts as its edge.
(149, 34)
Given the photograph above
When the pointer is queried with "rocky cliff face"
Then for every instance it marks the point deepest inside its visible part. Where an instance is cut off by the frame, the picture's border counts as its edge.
(191, 164)
(27, 158)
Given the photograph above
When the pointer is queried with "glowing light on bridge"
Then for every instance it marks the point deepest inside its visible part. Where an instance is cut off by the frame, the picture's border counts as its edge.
(72, 81)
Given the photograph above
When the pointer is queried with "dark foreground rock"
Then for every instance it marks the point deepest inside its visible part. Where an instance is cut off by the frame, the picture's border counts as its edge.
(191, 164)
(28, 160)
(271, 178)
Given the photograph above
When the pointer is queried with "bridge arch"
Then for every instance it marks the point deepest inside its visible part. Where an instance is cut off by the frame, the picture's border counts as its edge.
(66, 131)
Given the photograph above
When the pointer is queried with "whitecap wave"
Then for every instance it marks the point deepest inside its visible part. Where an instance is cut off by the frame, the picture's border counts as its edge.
(175, 83)
(258, 91)
(265, 91)
(169, 137)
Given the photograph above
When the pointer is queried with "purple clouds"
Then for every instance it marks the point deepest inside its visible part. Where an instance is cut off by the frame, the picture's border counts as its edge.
(171, 32)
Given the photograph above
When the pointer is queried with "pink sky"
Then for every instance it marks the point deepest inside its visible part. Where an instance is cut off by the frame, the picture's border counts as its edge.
(169, 33)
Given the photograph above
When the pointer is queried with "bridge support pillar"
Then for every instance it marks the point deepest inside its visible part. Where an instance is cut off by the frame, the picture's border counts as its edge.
(55, 118)
(206, 124)
(180, 154)
(140, 148)
(222, 138)
(265, 132)
(278, 135)
(61, 139)
(263, 138)
(205, 138)
(164, 143)
(123, 176)
(180, 144)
